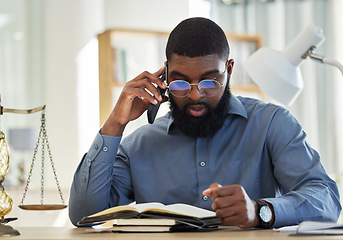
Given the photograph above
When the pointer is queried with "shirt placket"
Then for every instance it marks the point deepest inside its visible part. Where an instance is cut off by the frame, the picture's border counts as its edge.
(203, 171)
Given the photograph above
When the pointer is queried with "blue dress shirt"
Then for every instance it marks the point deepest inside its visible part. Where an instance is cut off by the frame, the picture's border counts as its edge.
(260, 147)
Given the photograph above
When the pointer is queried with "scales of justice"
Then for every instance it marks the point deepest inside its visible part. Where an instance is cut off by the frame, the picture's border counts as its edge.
(6, 202)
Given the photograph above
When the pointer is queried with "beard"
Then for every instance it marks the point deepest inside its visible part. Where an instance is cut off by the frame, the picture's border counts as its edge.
(203, 126)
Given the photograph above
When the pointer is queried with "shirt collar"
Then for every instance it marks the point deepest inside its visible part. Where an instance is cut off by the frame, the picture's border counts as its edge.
(236, 108)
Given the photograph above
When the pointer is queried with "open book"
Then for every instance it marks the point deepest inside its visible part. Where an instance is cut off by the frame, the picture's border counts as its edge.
(179, 213)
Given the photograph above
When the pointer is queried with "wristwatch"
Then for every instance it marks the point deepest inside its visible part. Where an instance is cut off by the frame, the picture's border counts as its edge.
(264, 214)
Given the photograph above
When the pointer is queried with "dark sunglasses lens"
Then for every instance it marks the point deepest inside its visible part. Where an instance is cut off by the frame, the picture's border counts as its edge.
(209, 87)
(179, 88)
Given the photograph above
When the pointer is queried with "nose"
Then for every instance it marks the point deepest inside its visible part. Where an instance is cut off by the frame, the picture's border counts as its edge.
(194, 94)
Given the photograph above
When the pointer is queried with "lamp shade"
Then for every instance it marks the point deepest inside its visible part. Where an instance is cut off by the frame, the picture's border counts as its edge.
(278, 73)
(275, 75)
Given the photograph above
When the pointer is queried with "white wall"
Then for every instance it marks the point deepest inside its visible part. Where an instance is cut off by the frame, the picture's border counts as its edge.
(149, 14)
(70, 26)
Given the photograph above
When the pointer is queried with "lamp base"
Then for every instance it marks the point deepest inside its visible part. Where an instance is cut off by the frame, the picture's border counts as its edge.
(6, 230)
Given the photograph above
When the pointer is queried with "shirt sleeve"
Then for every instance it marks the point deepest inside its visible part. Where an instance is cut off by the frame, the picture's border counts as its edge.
(91, 187)
(308, 193)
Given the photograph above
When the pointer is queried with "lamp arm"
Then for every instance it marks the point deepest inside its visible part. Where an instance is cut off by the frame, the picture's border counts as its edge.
(322, 59)
(333, 63)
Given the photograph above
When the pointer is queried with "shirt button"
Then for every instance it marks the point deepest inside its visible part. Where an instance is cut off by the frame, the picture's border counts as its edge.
(205, 198)
(105, 149)
(202, 164)
(96, 146)
(84, 179)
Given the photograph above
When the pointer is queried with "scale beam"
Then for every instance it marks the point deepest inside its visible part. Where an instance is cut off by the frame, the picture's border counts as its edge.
(21, 111)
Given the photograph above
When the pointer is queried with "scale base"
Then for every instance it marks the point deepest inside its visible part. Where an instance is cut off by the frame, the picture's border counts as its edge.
(43, 207)
(6, 230)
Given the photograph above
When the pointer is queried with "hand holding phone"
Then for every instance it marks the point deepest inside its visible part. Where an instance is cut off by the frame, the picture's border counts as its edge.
(153, 109)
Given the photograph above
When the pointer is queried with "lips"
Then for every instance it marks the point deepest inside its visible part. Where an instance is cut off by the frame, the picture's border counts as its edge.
(197, 110)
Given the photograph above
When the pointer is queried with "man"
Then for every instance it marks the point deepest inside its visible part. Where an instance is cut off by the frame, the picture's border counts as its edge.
(245, 159)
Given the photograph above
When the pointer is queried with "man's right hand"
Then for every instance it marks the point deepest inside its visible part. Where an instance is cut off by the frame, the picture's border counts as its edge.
(133, 101)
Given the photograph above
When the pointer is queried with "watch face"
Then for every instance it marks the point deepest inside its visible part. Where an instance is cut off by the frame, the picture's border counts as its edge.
(265, 214)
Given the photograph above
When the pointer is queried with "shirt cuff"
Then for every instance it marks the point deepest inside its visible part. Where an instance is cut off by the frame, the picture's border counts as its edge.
(284, 211)
(104, 148)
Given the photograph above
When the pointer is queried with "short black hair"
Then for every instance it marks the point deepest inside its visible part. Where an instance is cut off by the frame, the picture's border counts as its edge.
(197, 37)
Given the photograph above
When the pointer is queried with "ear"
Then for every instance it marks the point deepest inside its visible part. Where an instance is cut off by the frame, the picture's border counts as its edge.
(230, 64)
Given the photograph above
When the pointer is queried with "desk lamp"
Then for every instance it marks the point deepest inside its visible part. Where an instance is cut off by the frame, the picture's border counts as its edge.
(278, 73)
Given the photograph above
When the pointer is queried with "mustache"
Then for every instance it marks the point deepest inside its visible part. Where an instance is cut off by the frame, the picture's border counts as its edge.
(197, 104)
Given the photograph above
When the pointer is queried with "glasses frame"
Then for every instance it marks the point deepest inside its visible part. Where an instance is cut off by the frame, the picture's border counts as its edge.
(197, 84)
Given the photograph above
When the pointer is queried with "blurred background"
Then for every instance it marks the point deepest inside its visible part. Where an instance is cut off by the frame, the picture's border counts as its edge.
(49, 54)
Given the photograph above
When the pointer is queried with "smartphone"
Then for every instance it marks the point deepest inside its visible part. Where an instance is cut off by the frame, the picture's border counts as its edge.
(153, 109)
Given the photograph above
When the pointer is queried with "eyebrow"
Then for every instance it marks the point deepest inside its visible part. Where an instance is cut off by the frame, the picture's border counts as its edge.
(176, 73)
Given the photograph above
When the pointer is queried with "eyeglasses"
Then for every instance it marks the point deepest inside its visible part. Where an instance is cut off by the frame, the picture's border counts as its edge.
(207, 87)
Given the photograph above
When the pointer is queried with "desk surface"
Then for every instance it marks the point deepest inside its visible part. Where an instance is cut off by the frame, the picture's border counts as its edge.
(88, 233)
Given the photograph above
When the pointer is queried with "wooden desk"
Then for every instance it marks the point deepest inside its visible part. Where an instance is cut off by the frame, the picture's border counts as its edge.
(36, 233)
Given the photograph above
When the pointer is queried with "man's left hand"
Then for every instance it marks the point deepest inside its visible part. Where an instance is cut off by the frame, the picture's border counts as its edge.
(233, 205)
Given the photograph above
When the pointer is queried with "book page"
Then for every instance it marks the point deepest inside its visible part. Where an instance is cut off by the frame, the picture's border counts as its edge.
(114, 210)
(292, 228)
(139, 229)
(178, 208)
(149, 206)
(190, 210)
(144, 222)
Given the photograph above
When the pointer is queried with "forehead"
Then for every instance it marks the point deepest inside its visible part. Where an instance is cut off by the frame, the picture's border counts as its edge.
(184, 63)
